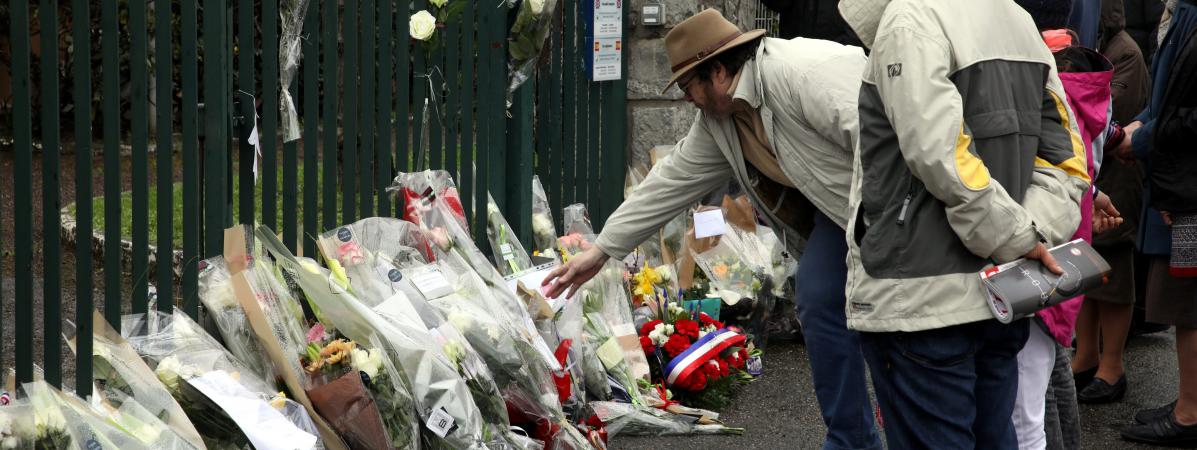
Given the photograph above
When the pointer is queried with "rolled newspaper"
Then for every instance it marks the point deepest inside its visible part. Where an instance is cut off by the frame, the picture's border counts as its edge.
(1023, 287)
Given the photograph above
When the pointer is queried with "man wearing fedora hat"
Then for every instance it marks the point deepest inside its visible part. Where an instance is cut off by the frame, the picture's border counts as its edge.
(969, 155)
(780, 117)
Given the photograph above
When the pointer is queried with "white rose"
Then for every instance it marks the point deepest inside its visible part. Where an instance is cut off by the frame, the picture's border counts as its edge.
(438, 3)
(541, 225)
(422, 25)
(675, 309)
(668, 330)
(461, 321)
(537, 6)
(366, 361)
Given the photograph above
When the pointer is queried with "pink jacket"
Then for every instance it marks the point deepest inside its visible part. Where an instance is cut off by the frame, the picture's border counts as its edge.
(1089, 96)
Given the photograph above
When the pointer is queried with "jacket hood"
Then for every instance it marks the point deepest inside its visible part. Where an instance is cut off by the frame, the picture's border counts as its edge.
(864, 16)
(1113, 19)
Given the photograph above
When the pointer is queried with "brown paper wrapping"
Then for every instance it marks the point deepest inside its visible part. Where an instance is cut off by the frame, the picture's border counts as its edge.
(353, 413)
(235, 257)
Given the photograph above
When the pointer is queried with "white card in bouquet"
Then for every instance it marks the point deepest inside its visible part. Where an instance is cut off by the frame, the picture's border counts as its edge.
(709, 223)
(431, 282)
(399, 309)
(532, 278)
(266, 428)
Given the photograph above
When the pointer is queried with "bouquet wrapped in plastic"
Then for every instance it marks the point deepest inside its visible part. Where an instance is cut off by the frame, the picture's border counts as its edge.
(510, 256)
(734, 266)
(573, 243)
(638, 420)
(577, 220)
(22, 428)
(441, 397)
(544, 231)
(419, 189)
(120, 376)
(69, 422)
(532, 24)
(228, 403)
(610, 326)
(217, 295)
(347, 385)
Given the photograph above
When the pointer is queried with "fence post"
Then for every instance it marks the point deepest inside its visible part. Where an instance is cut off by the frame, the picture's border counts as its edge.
(22, 191)
(51, 241)
(518, 191)
(109, 38)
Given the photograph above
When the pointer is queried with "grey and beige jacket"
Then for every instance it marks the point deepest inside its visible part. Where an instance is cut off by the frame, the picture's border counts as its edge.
(968, 156)
(805, 91)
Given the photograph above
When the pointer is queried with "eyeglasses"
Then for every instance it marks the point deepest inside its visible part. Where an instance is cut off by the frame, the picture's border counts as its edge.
(684, 83)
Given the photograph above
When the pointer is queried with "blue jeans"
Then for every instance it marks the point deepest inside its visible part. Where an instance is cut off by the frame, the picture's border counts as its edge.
(948, 388)
(836, 362)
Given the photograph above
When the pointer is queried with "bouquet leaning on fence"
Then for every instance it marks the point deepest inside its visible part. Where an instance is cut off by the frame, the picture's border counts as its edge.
(85, 428)
(120, 376)
(229, 404)
(441, 398)
(347, 385)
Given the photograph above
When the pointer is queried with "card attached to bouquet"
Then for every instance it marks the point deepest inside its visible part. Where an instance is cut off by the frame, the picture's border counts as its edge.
(430, 281)
(532, 278)
(1023, 287)
(440, 422)
(265, 427)
(709, 223)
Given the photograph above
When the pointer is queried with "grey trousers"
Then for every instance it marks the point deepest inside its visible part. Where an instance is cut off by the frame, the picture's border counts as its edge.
(1062, 420)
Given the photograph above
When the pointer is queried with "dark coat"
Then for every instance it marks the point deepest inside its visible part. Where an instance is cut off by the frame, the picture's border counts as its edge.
(1142, 20)
(1129, 89)
(1167, 66)
(1173, 173)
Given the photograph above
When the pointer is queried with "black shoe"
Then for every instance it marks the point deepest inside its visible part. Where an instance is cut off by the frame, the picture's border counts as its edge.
(1100, 392)
(1082, 379)
(1154, 414)
(1164, 431)
(1147, 328)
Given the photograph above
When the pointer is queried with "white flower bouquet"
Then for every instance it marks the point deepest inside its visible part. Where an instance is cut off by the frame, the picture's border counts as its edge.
(510, 256)
(213, 387)
(532, 24)
(544, 231)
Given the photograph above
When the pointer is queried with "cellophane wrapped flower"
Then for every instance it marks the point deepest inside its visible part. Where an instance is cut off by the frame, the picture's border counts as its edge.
(347, 385)
(70, 422)
(735, 266)
(120, 376)
(544, 232)
(577, 220)
(419, 189)
(217, 296)
(532, 24)
(639, 420)
(179, 351)
(510, 256)
(438, 393)
(574, 243)
(21, 427)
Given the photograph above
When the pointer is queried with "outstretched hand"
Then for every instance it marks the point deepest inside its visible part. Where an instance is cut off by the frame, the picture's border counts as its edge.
(573, 274)
(1105, 216)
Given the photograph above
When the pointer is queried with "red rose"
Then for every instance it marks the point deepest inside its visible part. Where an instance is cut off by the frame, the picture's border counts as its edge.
(648, 327)
(676, 345)
(647, 345)
(686, 327)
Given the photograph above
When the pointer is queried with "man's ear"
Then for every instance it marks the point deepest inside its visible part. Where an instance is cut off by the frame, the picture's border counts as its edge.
(719, 72)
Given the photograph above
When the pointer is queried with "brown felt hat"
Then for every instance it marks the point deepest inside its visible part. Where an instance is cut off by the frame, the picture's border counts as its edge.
(702, 36)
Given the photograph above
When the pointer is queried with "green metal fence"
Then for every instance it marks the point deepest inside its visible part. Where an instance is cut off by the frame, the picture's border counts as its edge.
(360, 90)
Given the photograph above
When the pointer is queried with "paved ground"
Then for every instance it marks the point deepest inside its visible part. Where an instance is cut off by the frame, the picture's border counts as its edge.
(779, 410)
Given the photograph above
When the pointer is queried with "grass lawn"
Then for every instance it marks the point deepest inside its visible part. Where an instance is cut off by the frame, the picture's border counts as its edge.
(177, 204)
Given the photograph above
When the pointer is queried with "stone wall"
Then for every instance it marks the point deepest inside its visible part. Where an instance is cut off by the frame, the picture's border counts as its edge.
(663, 118)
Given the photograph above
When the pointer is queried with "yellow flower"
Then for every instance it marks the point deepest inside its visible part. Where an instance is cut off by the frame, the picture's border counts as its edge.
(279, 401)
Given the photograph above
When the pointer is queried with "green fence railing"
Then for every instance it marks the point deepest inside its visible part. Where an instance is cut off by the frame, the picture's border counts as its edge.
(179, 86)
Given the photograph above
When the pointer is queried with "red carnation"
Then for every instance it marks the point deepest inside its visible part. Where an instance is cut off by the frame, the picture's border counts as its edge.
(676, 345)
(743, 359)
(697, 381)
(711, 369)
(707, 321)
(648, 327)
(647, 345)
(724, 368)
(686, 327)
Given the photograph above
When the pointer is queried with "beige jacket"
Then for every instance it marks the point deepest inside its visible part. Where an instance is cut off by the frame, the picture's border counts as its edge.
(968, 155)
(806, 93)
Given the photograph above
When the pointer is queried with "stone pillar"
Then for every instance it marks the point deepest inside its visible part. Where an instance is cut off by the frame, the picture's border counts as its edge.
(658, 118)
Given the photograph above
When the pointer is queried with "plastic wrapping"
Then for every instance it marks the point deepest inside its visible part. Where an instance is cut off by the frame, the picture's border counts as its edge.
(571, 323)
(532, 24)
(634, 420)
(291, 14)
(119, 374)
(419, 190)
(22, 428)
(544, 231)
(510, 256)
(217, 295)
(347, 385)
(573, 243)
(145, 426)
(438, 392)
(576, 220)
(86, 428)
(735, 266)
(180, 352)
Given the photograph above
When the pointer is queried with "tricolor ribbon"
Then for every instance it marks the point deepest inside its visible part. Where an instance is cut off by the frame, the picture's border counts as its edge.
(700, 352)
